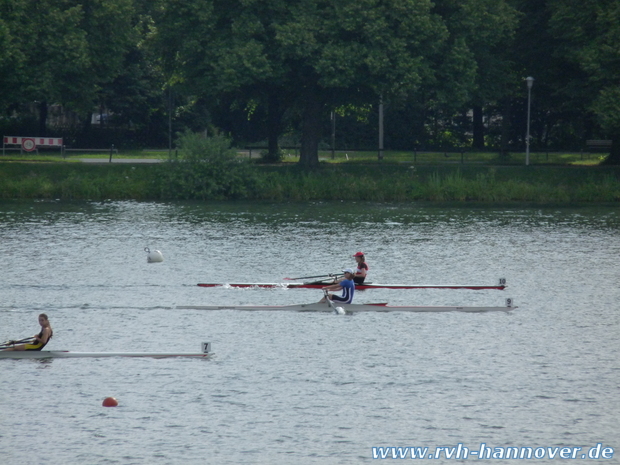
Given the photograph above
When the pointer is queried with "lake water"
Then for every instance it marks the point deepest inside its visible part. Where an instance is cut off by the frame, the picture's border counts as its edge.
(305, 388)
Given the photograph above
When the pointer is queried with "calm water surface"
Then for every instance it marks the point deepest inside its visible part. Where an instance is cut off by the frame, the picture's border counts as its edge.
(292, 388)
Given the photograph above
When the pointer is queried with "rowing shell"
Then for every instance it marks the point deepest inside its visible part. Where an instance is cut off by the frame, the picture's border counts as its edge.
(319, 285)
(206, 347)
(68, 354)
(353, 308)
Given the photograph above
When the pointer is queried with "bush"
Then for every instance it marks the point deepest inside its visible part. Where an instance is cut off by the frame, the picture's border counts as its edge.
(267, 157)
(206, 168)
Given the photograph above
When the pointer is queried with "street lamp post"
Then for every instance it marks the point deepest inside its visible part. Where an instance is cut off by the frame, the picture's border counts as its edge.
(530, 83)
(333, 115)
(380, 155)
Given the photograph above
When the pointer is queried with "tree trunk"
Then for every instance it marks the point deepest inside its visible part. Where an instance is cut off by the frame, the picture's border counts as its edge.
(43, 118)
(274, 127)
(505, 134)
(614, 154)
(310, 131)
(478, 128)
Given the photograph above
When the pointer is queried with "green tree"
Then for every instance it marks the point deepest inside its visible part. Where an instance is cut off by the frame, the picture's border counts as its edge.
(489, 29)
(111, 35)
(11, 56)
(313, 55)
(589, 32)
(559, 98)
(474, 69)
(63, 51)
(50, 49)
(136, 95)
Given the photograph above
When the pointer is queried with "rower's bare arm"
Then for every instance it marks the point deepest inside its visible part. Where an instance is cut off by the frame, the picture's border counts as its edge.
(45, 338)
(333, 287)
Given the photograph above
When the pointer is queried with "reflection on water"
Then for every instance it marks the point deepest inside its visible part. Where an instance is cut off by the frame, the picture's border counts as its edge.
(306, 388)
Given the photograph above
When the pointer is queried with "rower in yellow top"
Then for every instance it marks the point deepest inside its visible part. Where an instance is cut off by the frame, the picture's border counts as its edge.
(40, 340)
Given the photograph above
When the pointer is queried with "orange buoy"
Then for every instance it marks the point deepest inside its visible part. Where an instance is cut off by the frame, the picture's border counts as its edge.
(110, 402)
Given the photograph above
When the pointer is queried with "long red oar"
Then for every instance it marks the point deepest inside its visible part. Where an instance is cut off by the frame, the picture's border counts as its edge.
(330, 275)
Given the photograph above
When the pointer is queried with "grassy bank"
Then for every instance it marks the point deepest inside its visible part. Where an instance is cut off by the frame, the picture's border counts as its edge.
(540, 184)
(341, 181)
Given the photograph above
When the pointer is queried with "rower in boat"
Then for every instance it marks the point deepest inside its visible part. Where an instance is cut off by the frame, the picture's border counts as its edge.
(346, 285)
(362, 268)
(361, 271)
(38, 341)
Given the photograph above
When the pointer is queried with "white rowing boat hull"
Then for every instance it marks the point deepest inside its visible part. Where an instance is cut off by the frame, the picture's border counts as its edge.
(349, 308)
(67, 354)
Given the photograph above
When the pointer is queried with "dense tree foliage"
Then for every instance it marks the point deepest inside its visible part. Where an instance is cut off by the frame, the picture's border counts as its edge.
(450, 72)
(592, 45)
(304, 56)
(63, 51)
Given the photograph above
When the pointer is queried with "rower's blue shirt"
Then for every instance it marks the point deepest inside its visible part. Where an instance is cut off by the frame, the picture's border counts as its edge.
(348, 289)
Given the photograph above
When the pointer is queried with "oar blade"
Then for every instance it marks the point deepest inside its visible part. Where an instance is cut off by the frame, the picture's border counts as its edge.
(337, 310)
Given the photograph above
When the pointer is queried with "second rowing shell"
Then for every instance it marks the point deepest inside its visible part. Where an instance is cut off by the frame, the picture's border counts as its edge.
(352, 308)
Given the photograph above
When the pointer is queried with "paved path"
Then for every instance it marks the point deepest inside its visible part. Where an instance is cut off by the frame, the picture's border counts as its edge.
(121, 160)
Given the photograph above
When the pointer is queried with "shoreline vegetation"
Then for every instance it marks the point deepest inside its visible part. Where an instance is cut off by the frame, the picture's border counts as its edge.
(378, 181)
(209, 169)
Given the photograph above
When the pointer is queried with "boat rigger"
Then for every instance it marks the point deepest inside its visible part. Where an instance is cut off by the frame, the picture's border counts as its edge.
(354, 308)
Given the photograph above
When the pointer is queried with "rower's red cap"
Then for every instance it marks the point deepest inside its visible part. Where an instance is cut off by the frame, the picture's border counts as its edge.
(359, 254)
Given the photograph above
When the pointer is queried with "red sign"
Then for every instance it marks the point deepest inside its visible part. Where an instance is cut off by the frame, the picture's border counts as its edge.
(28, 144)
